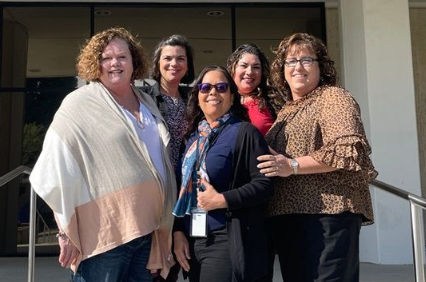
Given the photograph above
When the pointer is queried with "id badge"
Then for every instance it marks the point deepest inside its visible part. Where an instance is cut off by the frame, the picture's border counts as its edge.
(198, 223)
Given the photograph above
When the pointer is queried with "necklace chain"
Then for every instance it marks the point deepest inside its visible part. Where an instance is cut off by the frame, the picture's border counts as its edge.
(138, 117)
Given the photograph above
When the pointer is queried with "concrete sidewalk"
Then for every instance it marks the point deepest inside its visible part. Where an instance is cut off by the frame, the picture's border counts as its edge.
(15, 269)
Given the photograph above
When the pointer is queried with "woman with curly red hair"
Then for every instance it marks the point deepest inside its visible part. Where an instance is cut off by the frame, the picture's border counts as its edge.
(105, 169)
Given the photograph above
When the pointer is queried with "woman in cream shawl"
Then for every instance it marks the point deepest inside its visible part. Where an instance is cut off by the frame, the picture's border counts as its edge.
(105, 171)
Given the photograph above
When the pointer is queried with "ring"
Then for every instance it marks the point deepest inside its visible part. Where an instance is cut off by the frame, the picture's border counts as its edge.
(276, 168)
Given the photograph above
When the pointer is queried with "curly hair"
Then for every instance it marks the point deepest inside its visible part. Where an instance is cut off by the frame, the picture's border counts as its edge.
(266, 95)
(174, 40)
(90, 57)
(293, 44)
(194, 114)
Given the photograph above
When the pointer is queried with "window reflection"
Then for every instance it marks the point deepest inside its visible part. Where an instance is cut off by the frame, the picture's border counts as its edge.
(267, 26)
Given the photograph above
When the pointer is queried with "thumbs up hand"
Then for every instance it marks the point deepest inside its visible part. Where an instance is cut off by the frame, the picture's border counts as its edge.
(210, 199)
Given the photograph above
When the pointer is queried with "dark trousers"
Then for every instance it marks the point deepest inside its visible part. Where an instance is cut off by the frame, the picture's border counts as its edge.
(318, 247)
(210, 258)
(172, 277)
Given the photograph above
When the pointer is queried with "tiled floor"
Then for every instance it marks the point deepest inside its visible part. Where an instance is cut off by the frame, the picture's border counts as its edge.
(47, 269)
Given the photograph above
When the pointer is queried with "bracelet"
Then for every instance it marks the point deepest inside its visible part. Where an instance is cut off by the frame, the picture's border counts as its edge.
(62, 235)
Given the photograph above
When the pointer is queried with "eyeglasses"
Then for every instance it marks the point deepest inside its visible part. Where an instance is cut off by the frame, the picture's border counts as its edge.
(221, 87)
(304, 61)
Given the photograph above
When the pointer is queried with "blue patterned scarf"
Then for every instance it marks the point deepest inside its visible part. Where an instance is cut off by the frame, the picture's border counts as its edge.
(196, 156)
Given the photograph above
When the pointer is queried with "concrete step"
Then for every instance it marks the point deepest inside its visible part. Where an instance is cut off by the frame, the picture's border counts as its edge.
(14, 269)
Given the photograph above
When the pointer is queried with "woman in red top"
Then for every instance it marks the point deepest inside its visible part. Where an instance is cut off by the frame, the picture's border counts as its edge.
(249, 68)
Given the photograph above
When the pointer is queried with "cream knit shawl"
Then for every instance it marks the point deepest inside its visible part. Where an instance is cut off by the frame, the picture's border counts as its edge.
(97, 176)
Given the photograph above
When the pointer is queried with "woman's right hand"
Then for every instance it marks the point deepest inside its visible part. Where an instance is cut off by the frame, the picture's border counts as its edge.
(181, 249)
(274, 165)
(69, 252)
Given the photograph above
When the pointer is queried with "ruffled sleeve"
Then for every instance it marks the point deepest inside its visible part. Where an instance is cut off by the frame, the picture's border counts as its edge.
(345, 145)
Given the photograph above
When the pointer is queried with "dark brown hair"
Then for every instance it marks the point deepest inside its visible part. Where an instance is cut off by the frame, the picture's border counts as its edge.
(265, 94)
(174, 40)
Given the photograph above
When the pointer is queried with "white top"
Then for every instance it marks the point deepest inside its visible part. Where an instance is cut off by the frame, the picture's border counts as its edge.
(148, 133)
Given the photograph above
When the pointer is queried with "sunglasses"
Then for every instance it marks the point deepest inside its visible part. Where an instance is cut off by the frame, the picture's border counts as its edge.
(221, 87)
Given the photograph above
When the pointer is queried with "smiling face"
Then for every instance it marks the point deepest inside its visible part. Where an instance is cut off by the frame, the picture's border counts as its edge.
(302, 79)
(248, 73)
(173, 63)
(214, 104)
(116, 66)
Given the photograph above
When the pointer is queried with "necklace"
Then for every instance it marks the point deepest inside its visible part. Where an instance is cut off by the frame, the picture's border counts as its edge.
(138, 117)
(244, 99)
(139, 120)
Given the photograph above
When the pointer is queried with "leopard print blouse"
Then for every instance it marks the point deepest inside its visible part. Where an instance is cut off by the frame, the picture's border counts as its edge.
(326, 125)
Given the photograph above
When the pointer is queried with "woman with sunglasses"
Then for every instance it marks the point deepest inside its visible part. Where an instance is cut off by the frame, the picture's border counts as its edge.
(321, 165)
(218, 232)
(249, 68)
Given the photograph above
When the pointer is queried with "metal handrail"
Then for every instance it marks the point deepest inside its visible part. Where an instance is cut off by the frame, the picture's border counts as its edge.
(417, 226)
(31, 243)
(399, 192)
(45, 227)
(13, 174)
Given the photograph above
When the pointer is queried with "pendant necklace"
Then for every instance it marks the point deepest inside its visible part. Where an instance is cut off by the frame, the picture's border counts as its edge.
(138, 117)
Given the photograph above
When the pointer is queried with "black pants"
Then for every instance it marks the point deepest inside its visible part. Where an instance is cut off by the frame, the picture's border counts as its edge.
(320, 248)
(172, 277)
(210, 258)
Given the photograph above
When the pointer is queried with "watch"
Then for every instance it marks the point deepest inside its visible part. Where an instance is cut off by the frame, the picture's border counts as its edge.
(295, 165)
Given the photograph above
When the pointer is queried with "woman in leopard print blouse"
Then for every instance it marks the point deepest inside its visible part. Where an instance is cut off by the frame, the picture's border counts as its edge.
(320, 160)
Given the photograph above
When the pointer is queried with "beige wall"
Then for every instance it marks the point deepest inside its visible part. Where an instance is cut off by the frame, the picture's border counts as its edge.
(418, 39)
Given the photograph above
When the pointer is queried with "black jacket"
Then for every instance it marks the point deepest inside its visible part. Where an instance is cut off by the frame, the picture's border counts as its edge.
(154, 92)
(247, 197)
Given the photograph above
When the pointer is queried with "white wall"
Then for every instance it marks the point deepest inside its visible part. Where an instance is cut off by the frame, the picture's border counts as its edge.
(377, 70)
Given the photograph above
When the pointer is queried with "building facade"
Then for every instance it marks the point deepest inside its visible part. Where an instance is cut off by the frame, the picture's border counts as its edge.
(378, 47)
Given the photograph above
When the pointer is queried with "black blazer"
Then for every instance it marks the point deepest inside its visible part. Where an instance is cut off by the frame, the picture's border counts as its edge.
(154, 92)
(247, 197)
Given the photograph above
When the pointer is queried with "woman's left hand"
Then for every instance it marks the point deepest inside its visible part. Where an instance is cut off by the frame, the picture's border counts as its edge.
(210, 199)
(274, 165)
(68, 251)
(181, 249)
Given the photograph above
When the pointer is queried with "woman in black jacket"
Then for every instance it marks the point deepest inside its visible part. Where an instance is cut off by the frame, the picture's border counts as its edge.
(225, 217)
(173, 68)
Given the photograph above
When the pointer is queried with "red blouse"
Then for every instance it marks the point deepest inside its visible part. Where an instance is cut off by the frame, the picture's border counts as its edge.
(263, 120)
